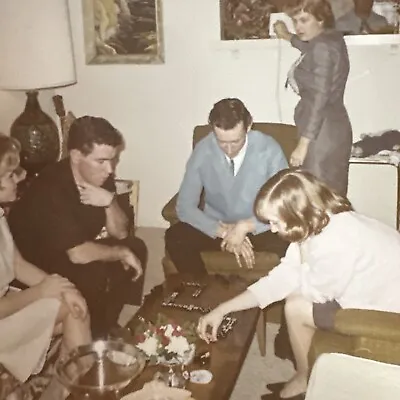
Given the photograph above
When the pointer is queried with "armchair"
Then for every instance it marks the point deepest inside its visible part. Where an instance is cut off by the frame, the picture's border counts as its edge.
(362, 333)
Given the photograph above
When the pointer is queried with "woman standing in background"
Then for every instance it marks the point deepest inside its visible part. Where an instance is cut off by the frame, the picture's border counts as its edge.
(319, 77)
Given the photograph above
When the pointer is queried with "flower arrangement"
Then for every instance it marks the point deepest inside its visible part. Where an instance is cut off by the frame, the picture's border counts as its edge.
(166, 342)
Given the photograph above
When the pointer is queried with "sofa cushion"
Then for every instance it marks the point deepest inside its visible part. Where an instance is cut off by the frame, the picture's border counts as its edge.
(218, 262)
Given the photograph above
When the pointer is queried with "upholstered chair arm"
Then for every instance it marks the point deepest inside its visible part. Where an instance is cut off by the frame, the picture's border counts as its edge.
(169, 211)
(367, 323)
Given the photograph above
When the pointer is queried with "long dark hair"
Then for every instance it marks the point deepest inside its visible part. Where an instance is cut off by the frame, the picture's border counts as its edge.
(320, 9)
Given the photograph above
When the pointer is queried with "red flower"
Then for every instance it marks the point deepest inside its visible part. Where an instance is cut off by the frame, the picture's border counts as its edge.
(141, 338)
(165, 341)
(177, 333)
(149, 330)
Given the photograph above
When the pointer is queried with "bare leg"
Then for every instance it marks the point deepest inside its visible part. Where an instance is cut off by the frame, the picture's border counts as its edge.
(299, 317)
(76, 331)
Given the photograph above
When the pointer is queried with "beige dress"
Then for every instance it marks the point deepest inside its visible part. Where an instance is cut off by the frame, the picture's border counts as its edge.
(25, 335)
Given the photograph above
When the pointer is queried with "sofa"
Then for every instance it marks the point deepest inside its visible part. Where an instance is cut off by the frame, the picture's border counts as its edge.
(363, 333)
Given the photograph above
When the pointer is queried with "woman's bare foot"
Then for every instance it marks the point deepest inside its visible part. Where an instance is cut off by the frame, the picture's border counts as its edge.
(297, 385)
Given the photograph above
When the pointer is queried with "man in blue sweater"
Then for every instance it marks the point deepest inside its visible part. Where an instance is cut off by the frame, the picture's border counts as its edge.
(230, 164)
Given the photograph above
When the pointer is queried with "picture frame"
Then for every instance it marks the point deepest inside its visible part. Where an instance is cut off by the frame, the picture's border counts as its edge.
(249, 19)
(123, 31)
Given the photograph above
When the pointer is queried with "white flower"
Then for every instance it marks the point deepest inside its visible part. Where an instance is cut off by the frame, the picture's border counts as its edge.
(178, 345)
(149, 346)
(169, 331)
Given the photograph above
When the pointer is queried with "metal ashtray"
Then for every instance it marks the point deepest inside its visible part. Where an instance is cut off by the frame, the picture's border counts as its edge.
(104, 366)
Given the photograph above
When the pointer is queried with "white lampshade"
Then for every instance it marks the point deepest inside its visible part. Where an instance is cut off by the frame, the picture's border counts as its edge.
(35, 45)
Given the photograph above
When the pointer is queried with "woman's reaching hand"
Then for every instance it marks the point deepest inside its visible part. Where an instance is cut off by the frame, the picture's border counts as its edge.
(281, 30)
(212, 321)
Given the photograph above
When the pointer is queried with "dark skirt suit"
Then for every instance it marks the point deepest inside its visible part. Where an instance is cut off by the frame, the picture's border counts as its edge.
(320, 77)
(320, 115)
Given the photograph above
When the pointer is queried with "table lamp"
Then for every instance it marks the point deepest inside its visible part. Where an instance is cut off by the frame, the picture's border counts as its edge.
(37, 53)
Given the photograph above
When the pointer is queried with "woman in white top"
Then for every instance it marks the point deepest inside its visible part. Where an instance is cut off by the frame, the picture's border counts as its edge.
(51, 304)
(337, 259)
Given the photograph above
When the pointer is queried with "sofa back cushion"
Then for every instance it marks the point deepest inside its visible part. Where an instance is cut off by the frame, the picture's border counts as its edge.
(285, 135)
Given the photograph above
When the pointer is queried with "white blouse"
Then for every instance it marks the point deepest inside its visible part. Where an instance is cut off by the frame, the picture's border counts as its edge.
(290, 77)
(25, 334)
(354, 260)
(6, 255)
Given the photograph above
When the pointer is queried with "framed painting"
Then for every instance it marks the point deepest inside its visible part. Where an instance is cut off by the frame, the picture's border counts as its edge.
(249, 19)
(123, 31)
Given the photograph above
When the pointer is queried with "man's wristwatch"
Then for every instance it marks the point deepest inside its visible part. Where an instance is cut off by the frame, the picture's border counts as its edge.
(112, 199)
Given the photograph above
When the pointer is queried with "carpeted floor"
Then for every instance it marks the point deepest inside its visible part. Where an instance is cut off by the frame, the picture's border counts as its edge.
(257, 371)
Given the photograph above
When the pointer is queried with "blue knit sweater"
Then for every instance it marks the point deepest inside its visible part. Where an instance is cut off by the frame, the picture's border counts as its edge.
(228, 198)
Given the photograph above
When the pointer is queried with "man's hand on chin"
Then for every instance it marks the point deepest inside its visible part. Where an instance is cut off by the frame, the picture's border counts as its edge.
(94, 195)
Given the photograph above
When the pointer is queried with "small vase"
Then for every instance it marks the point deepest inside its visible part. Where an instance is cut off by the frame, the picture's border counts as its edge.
(173, 375)
(174, 371)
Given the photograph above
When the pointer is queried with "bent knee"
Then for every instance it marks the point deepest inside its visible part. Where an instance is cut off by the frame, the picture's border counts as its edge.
(297, 305)
(65, 312)
(86, 320)
(176, 233)
(171, 233)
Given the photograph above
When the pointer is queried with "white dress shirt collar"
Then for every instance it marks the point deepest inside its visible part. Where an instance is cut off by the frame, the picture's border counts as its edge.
(238, 159)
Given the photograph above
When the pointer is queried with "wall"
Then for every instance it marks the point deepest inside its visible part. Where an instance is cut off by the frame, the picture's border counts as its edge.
(156, 106)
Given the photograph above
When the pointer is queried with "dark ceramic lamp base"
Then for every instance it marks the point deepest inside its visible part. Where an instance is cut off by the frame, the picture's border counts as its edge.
(38, 135)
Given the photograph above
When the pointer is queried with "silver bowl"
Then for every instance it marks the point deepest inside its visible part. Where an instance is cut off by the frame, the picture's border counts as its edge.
(100, 368)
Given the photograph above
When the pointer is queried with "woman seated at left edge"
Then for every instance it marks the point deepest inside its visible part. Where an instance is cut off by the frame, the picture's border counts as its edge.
(50, 305)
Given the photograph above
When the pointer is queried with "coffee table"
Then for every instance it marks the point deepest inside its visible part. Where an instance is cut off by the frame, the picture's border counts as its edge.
(227, 355)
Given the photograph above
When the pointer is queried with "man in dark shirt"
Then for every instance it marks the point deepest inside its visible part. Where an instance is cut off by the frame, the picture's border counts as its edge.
(57, 222)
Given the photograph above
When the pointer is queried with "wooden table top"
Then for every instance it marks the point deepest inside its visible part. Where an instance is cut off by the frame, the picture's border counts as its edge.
(227, 355)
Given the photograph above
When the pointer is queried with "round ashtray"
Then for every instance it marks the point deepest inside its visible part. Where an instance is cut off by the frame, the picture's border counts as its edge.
(201, 376)
(99, 367)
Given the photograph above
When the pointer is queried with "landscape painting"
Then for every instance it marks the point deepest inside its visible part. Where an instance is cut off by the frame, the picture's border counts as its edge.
(123, 31)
